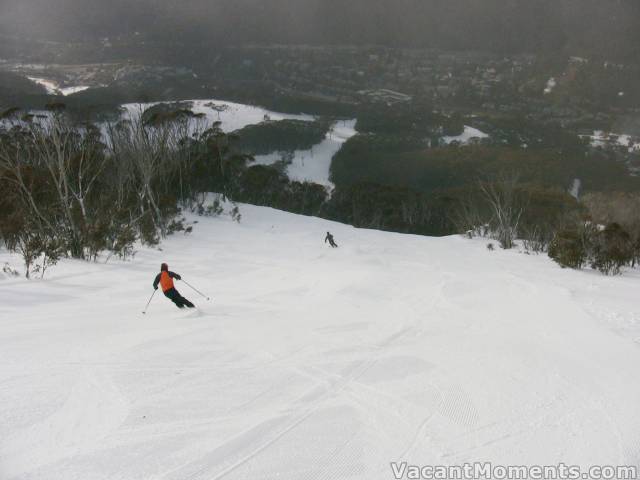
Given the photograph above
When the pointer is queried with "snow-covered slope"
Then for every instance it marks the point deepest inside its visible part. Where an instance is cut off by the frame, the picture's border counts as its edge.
(312, 165)
(465, 137)
(315, 165)
(314, 363)
(232, 116)
(54, 88)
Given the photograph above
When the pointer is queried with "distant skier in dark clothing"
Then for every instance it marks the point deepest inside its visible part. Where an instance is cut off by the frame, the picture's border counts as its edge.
(329, 238)
(165, 279)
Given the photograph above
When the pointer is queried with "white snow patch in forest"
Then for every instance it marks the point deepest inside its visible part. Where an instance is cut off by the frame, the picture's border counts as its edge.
(232, 116)
(551, 84)
(604, 139)
(66, 91)
(314, 165)
(50, 87)
(574, 191)
(54, 89)
(469, 134)
(315, 363)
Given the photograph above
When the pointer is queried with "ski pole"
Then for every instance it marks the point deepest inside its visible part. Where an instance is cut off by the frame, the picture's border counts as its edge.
(195, 290)
(144, 312)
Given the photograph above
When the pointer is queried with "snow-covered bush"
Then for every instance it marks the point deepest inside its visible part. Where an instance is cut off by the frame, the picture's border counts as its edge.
(569, 248)
(9, 270)
(213, 209)
(506, 207)
(536, 239)
(612, 249)
(176, 225)
(496, 210)
(38, 251)
(606, 249)
(235, 214)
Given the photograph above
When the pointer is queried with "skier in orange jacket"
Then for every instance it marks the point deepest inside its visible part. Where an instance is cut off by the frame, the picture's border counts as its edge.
(165, 279)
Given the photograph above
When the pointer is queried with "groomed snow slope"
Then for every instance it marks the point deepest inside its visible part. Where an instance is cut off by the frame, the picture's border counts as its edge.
(314, 165)
(315, 363)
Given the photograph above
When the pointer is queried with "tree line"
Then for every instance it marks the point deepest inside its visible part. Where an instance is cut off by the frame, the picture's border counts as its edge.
(78, 191)
(84, 191)
(87, 191)
(601, 231)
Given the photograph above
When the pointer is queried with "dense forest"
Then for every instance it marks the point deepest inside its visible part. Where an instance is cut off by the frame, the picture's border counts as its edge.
(581, 27)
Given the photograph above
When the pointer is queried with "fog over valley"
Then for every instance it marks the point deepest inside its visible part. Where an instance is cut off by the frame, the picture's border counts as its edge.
(580, 26)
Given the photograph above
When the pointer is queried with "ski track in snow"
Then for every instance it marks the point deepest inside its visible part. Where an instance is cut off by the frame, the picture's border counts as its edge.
(315, 363)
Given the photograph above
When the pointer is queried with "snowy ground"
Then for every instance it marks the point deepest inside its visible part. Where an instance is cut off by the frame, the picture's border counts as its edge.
(314, 363)
(232, 116)
(576, 186)
(604, 139)
(315, 165)
(551, 84)
(54, 89)
(466, 136)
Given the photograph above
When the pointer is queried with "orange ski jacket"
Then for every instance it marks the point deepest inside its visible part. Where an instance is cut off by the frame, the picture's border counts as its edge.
(165, 279)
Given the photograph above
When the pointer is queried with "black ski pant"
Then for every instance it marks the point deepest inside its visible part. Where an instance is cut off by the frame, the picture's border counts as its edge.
(181, 302)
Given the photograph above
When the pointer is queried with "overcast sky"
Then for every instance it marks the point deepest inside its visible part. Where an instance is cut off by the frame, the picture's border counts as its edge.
(613, 25)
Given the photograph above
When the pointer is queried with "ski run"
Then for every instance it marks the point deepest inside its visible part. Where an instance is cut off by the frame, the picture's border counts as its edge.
(312, 362)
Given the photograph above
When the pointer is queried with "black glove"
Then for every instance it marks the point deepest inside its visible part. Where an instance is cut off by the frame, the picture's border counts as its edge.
(155, 288)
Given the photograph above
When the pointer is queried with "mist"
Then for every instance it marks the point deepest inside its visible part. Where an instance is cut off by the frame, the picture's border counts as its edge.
(608, 28)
